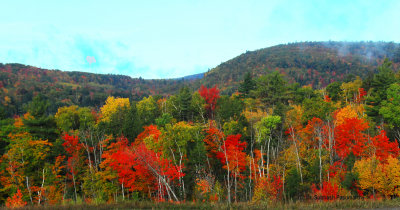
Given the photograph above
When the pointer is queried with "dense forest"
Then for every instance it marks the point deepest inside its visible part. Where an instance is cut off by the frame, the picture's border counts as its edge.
(272, 140)
(306, 63)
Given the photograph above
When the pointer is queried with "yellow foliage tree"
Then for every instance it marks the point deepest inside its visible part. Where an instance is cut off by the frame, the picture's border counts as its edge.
(111, 106)
(345, 113)
(382, 177)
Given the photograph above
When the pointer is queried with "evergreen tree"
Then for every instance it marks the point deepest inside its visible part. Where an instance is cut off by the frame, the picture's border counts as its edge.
(184, 100)
(272, 89)
(247, 85)
(380, 83)
(132, 126)
(41, 125)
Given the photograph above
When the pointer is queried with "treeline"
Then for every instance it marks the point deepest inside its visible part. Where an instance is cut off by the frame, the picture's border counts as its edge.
(20, 83)
(315, 63)
(269, 141)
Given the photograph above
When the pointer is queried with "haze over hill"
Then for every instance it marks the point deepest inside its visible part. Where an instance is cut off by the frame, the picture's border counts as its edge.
(308, 63)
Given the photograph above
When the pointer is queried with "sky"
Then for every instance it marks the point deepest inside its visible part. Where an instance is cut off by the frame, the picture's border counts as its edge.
(169, 39)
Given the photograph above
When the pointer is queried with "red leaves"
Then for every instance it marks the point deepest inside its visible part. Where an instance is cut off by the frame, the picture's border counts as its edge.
(329, 191)
(265, 187)
(139, 168)
(211, 96)
(73, 148)
(149, 131)
(383, 148)
(16, 200)
(213, 140)
(360, 96)
(71, 144)
(232, 155)
(350, 137)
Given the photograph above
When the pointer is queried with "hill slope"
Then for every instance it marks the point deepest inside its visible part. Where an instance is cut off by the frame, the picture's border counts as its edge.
(315, 63)
(20, 83)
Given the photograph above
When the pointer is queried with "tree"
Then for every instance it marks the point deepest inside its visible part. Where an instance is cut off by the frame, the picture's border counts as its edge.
(147, 110)
(350, 138)
(334, 90)
(74, 118)
(247, 85)
(111, 106)
(184, 99)
(16, 201)
(380, 83)
(381, 177)
(390, 109)
(40, 124)
(74, 149)
(271, 89)
(210, 96)
(233, 157)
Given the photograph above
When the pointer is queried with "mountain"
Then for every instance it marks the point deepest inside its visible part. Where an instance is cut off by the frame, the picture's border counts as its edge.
(308, 63)
(20, 83)
(315, 63)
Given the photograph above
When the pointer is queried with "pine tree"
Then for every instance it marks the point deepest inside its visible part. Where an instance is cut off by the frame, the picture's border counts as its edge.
(379, 85)
(41, 125)
(184, 100)
(247, 85)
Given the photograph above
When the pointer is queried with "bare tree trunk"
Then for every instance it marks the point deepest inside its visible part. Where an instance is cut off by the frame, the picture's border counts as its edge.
(123, 190)
(41, 188)
(73, 179)
(269, 140)
(29, 189)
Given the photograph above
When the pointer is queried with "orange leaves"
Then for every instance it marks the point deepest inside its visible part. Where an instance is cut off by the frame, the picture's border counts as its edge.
(213, 140)
(344, 113)
(268, 188)
(383, 177)
(16, 200)
(150, 131)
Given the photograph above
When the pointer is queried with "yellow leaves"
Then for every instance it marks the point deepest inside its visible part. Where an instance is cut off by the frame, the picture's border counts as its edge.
(380, 176)
(345, 113)
(111, 106)
(349, 111)
(350, 89)
(294, 116)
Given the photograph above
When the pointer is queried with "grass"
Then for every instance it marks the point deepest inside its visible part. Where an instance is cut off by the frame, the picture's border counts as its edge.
(341, 204)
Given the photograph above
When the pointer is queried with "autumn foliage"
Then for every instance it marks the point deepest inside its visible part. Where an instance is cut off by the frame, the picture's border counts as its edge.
(16, 200)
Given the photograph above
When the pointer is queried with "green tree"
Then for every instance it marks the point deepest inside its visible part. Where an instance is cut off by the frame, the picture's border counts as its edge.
(390, 109)
(271, 89)
(380, 83)
(334, 91)
(247, 85)
(184, 99)
(147, 110)
(41, 125)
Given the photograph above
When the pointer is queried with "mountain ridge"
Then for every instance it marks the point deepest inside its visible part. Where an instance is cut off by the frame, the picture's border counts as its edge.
(307, 63)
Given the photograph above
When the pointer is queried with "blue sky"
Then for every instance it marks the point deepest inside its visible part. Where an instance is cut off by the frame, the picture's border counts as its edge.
(167, 39)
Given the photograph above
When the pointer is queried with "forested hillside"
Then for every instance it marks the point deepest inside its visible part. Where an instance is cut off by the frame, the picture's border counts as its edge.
(272, 141)
(20, 83)
(307, 63)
